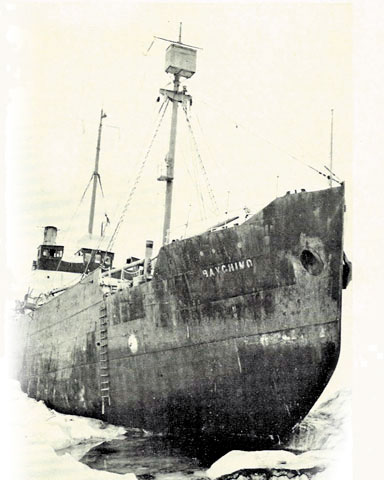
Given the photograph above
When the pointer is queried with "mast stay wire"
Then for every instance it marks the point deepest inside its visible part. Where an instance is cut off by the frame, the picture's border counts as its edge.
(111, 242)
(194, 174)
(150, 126)
(330, 176)
(102, 192)
(234, 211)
(104, 202)
(73, 216)
(187, 160)
(209, 188)
(202, 184)
(220, 168)
(137, 179)
(281, 149)
(68, 229)
(334, 176)
(199, 189)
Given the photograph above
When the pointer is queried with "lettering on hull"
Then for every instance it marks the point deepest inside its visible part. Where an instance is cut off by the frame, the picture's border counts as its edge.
(227, 268)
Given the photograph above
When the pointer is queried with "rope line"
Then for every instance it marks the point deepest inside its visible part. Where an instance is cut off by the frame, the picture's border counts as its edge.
(325, 175)
(101, 187)
(111, 242)
(74, 214)
(209, 188)
(137, 179)
(104, 203)
(277, 147)
(193, 173)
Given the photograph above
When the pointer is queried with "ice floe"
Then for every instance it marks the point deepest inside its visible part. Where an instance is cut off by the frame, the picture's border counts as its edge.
(42, 437)
(322, 443)
(38, 433)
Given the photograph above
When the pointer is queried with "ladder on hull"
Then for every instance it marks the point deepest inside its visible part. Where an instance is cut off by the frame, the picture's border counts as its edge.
(103, 358)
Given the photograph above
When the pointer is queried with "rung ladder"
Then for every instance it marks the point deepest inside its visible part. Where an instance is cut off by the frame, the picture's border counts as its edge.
(103, 358)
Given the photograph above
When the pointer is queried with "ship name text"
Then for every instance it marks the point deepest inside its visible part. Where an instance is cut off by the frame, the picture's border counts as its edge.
(227, 267)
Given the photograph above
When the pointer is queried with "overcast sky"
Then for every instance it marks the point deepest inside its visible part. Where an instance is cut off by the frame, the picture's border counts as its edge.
(267, 78)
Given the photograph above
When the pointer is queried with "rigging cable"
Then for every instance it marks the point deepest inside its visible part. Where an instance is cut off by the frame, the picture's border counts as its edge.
(74, 214)
(194, 174)
(221, 169)
(209, 188)
(111, 242)
(325, 175)
(282, 150)
(137, 179)
(335, 177)
(105, 210)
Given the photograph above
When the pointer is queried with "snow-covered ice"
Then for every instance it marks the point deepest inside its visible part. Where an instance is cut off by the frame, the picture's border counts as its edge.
(39, 433)
(323, 438)
(267, 459)
(42, 438)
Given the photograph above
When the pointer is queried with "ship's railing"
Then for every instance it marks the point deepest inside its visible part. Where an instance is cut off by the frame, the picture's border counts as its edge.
(126, 267)
(128, 275)
(131, 273)
(30, 303)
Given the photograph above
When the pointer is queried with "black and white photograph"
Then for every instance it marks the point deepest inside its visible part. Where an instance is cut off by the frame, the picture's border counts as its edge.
(179, 240)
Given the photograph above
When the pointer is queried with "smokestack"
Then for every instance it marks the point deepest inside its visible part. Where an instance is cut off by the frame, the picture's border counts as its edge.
(50, 234)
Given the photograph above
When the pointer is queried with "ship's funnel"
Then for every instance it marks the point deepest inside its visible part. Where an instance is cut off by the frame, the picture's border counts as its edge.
(50, 234)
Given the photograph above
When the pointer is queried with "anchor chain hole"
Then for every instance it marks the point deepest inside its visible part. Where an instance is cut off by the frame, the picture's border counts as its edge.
(311, 262)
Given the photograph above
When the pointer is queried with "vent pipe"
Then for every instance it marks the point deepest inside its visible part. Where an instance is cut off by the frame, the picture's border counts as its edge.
(148, 256)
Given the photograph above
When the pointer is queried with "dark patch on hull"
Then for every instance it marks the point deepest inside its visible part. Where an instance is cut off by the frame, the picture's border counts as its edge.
(235, 388)
(243, 352)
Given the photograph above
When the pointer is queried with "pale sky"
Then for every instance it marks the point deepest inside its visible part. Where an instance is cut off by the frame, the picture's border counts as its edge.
(267, 79)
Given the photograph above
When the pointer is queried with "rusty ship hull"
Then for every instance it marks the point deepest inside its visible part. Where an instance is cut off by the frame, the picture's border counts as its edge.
(237, 333)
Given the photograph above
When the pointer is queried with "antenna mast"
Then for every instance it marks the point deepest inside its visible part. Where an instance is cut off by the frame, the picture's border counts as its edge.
(95, 176)
(181, 62)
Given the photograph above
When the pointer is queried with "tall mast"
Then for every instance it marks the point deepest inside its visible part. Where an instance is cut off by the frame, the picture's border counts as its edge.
(181, 62)
(170, 164)
(95, 176)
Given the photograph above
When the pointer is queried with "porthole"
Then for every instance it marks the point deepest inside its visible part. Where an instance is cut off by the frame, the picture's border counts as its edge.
(311, 262)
